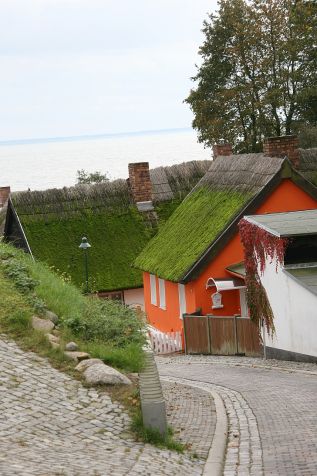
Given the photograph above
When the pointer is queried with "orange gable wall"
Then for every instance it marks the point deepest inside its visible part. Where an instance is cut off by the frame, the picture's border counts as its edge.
(286, 197)
(167, 320)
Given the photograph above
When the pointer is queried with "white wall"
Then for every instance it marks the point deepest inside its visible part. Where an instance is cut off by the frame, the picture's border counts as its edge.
(134, 297)
(295, 312)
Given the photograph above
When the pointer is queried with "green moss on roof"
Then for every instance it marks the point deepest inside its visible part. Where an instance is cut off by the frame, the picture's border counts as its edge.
(115, 238)
(200, 218)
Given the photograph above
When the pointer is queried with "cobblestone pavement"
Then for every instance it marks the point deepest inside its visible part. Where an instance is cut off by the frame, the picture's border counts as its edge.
(256, 362)
(272, 413)
(192, 414)
(51, 425)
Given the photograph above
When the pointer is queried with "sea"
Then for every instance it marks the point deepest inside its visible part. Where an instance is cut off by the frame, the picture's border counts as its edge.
(39, 164)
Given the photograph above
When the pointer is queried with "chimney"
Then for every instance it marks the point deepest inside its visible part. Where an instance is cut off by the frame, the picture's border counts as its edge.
(4, 195)
(140, 182)
(282, 146)
(223, 148)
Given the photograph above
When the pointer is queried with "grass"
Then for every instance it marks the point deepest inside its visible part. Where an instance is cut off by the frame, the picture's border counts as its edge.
(153, 436)
(189, 231)
(104, 328)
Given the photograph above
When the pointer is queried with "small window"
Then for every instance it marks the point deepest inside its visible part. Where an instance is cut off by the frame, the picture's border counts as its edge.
(182, 300)
(162, 293)
(153, 289)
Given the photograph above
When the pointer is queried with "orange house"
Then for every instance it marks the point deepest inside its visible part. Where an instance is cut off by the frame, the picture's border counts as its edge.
(193, 262)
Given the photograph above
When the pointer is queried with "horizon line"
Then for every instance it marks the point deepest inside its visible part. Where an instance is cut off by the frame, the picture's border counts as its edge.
(90, 136)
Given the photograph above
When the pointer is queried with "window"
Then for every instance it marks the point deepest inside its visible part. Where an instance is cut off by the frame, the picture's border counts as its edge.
(162, 293)
(182, 300)
(153, 289)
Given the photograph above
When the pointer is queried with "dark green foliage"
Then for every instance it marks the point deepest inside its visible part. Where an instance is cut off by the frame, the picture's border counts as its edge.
(258, 75)
(107, 321)
(90, 177)
(189, 231)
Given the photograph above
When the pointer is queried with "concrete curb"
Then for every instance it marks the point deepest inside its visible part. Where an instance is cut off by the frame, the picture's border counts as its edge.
(216, 456)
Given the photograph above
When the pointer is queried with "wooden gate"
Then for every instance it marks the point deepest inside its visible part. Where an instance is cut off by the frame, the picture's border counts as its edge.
(223, 335)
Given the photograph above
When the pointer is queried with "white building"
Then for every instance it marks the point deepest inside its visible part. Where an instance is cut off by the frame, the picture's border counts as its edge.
(291, 288)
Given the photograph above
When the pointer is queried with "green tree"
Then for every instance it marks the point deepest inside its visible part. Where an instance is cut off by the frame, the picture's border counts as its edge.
(258, 75)
(90, 177)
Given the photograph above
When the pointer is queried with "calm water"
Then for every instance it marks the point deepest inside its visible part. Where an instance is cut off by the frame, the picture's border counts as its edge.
(39, 165)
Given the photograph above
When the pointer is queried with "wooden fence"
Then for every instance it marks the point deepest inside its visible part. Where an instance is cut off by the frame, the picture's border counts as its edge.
(232, 335)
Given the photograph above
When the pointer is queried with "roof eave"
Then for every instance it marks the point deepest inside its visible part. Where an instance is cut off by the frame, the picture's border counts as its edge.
(286, 171)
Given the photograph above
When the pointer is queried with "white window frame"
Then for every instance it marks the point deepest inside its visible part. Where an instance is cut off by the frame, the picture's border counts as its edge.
(182, 300)
(153, 289)
(162, 293)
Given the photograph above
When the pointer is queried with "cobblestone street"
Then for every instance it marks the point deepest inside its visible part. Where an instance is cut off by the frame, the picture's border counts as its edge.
(272, 413)
(50, 425)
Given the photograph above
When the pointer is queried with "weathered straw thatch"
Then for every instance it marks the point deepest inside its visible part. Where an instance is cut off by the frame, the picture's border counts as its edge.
(308, 164)
(243, 173)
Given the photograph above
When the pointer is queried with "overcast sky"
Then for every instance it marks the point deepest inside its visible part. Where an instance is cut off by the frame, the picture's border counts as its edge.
(72, 67)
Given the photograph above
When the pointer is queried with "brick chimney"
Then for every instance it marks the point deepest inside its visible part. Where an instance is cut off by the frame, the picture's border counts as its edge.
(282, 146)
(223, 148)
(4, 195)
(140, 182)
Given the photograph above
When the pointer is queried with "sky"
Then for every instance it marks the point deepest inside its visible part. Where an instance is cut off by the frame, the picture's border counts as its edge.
(75, 67)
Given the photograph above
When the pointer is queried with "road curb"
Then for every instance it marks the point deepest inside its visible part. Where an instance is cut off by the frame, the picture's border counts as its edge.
(216, 456)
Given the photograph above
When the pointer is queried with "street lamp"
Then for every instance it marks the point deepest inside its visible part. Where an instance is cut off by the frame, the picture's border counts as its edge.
(84, 245)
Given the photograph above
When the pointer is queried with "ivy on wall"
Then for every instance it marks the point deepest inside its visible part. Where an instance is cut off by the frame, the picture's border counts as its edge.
(259, 246)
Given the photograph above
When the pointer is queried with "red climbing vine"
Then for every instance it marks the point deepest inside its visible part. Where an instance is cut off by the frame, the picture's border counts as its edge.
(259, 245)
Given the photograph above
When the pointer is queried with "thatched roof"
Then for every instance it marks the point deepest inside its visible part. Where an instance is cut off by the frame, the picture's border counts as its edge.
(243, 172)
(231, 184)
(55, 220)
(308, 164)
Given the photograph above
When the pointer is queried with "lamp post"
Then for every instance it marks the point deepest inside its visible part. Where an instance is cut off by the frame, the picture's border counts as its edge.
(84, 245)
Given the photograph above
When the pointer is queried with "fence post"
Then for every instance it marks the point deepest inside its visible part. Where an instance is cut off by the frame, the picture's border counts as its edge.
(208, 333)
(235, 333)
(185, 337)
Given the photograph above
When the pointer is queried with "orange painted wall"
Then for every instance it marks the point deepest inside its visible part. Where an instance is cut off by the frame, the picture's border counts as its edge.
(286, 197)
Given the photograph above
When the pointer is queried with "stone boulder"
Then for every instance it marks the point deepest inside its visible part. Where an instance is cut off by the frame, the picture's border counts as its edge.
(82, 366)
(71, 346)
(51, 316)
(101, 374)
(54, 340)
(77, 356)
(43, 325)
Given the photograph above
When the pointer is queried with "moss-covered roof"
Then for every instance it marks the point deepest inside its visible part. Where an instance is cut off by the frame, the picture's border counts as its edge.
(55, 220)
(222, 193)
(230, 183)
(186, 235)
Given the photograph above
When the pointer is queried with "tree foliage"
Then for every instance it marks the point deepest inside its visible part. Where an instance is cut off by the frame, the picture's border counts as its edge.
(90, 177)
(258, 75)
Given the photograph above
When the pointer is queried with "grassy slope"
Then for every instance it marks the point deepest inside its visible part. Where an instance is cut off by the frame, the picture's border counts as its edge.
(189, 231)
(106, 329)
